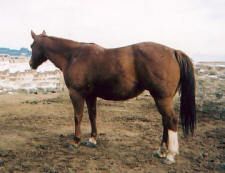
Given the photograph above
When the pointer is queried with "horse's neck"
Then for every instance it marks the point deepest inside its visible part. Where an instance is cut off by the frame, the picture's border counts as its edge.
(58, 60)
(59, 50)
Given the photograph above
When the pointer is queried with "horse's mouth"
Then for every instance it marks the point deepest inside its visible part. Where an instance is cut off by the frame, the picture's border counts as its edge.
(32, 65)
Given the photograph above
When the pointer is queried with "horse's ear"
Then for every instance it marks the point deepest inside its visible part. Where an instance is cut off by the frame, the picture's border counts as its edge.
(33, 34)
(43, 32)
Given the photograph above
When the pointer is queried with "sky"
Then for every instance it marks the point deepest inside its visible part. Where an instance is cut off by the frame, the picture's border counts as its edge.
(195, 26)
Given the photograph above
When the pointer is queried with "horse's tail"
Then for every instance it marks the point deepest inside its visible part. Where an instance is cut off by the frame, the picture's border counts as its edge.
(187, 91)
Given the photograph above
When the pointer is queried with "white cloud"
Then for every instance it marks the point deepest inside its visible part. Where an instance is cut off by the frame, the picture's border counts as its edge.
(195, 26)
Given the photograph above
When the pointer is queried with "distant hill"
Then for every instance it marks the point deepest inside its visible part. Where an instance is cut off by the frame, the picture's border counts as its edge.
(15, 52)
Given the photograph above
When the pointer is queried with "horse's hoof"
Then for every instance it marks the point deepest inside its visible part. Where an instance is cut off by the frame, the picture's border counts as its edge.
(71, 146)
(76, 145)
(168, 161)
(159, 154)
(89, 144)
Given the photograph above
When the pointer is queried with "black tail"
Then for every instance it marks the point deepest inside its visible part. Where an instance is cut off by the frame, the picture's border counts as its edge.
(187, 91)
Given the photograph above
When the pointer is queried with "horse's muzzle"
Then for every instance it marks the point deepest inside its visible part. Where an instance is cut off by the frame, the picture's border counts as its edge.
(31, 65)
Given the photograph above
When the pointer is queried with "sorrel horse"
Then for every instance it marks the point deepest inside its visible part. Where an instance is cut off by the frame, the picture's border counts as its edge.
(91, 71)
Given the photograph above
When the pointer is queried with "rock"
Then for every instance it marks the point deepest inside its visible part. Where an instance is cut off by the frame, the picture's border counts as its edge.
(70, 147)
(43, 147)
(3, 153)
(205, 154)
(49, 169)
(62, 136)
(222, 165)
(1, 162)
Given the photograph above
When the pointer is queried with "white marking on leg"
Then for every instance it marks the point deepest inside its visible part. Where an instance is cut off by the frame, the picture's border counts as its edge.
(173, 145)
(92, 140)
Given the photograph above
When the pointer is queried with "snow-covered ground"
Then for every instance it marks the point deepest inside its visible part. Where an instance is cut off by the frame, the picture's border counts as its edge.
(13, 67)
(16, 74)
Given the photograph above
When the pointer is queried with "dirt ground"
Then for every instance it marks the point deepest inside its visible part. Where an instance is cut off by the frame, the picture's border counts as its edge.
(36, 132)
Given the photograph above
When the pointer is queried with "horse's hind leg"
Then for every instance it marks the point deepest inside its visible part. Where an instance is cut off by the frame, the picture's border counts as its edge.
(162, 151)
(170, 123)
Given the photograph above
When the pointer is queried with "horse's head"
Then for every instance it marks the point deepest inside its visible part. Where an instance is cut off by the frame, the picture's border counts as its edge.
(38, 56)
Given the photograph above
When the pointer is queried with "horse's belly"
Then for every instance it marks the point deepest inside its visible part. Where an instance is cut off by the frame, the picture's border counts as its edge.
(118, 93)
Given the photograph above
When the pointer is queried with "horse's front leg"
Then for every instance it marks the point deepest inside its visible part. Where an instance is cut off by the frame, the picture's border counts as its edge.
(78, 106)
(91, 105)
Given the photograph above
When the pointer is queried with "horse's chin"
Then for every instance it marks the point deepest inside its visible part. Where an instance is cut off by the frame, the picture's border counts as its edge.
(32, 66)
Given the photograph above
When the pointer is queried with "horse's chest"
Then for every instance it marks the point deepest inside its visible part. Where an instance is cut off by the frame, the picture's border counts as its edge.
(75, 79)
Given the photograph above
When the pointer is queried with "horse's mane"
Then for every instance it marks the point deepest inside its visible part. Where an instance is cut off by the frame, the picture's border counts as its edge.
(56, 43)
(61, 39)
